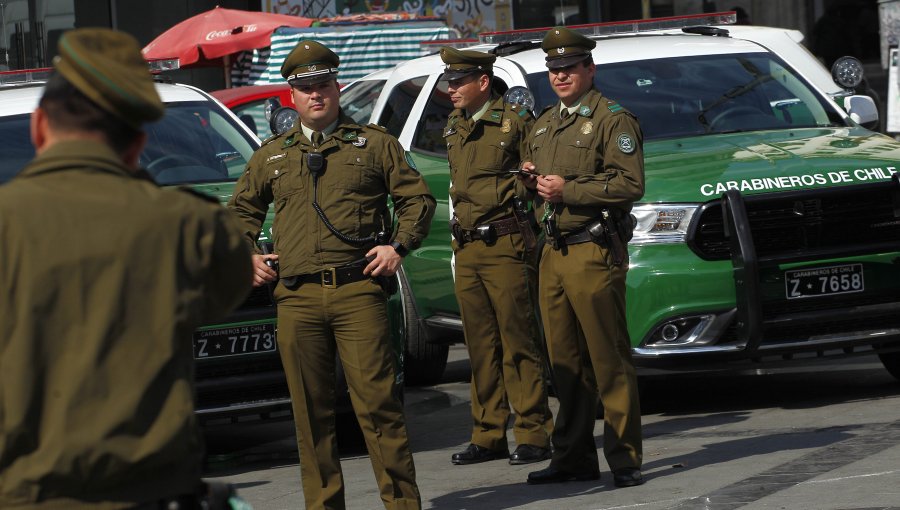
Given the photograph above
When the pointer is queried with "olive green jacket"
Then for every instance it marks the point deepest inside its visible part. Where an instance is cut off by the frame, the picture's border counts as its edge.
(598, 150)
(364, 166)
(481, 154)
(104, 276)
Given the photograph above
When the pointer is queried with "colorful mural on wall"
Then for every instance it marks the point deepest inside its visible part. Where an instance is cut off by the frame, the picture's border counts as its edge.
(467, 17)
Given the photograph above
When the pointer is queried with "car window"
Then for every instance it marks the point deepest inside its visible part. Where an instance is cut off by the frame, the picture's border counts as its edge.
(195, 143)
(399, 104)
(16, 150)
(253, 114)
(358, 99)
(706, 94)
(429, 135)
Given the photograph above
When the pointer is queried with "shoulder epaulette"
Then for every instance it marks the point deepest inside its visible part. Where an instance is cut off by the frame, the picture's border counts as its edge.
(614, 106)
(270, 139)
(378, 128)
(199, 194)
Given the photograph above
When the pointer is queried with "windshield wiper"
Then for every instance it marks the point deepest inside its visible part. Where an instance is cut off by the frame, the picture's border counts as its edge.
(758, 79)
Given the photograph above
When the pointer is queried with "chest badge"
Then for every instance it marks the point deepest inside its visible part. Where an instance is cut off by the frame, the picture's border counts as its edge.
(587, 128)
(360, 142)
(449, 132)
(506, 127)
(541, 131)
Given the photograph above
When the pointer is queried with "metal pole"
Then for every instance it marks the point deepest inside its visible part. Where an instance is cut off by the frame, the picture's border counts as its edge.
(3, 34)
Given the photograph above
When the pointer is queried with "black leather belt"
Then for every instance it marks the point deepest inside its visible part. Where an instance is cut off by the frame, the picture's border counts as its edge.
(488, 232)
(575, 238)
(331, 277)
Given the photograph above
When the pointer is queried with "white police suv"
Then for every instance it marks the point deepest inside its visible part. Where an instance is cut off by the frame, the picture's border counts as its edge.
(770, 227)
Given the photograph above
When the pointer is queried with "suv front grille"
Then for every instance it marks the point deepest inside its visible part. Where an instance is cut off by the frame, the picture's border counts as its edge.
(794, 222)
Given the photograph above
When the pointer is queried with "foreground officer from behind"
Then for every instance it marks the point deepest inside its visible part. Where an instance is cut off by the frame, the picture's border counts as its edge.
(330, 179)
(496, 276)
(105, 277)
(588, 152)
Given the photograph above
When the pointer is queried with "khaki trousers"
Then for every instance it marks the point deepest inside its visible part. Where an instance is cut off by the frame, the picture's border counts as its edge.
(495, 288)
(582, 302)
(314, 323)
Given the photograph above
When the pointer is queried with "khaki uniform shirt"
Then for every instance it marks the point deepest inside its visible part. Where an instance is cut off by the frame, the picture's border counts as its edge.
(598, 150)
(481, 154)
(104, 276)
(363, 167)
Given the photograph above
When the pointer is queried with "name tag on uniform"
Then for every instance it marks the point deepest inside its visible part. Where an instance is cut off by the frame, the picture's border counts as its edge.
(276, 157)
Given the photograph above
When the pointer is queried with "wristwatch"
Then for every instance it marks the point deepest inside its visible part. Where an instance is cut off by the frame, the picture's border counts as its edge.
(400, 249)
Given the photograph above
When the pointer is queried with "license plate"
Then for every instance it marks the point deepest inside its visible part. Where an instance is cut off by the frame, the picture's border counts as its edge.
(236, 341)
(824, 281)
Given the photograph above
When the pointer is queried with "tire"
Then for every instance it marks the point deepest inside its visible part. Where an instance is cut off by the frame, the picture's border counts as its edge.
(424, 362)
(891, 361)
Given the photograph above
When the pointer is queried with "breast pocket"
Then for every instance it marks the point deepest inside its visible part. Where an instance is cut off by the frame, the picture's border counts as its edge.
(353, 170)
(575, 157)
(283, 179)
(500, 157)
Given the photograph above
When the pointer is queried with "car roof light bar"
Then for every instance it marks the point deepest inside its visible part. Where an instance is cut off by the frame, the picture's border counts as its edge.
(164, 64)
(21, 76)
(616, 27)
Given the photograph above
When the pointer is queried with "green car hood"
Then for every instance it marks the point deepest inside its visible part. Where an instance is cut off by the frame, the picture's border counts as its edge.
(701, 168)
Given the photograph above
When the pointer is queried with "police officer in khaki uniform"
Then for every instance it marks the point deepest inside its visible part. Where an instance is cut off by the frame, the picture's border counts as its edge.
(587, 150)
(495, 273)
(105, 276)
(329, 179)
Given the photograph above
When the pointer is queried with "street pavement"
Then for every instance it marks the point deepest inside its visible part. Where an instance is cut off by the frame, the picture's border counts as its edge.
(821, 436)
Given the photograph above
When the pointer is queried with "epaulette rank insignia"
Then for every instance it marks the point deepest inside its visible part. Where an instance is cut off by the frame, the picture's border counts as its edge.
(614, 107)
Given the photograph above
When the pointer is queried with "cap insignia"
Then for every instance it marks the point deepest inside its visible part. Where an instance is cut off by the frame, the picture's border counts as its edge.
(312, 67)
(306, 46)
(557, 32)
(560, 50)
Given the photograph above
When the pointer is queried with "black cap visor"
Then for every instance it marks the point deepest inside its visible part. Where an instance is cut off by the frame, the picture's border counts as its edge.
(561, 62)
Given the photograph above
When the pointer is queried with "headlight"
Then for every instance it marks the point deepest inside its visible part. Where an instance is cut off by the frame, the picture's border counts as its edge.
(661, 223)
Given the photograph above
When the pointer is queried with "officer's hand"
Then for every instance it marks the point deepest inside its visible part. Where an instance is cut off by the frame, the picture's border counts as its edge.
(383, 261)
(528, 177)
(550, 187)
(263, 274)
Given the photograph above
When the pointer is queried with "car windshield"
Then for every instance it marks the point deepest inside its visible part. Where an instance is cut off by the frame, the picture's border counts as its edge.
(193, 143)
(706, 94)
(358, 99)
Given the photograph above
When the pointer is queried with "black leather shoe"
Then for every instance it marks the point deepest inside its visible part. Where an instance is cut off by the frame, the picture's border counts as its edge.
(627, 477)
(554, 475)
(475, 454)
(527, 453)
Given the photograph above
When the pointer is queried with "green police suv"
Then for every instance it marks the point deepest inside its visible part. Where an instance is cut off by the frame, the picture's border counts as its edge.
(770, 227)
(202, 144)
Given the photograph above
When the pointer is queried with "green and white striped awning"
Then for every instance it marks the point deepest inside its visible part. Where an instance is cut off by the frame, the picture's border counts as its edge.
(362, 50)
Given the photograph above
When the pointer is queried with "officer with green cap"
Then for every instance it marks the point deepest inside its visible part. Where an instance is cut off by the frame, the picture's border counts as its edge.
(587, 152)
(330, 179)
(496, 274)
(107, 275)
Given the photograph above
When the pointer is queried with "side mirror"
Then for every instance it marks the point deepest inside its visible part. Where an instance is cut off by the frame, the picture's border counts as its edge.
(862, 110)
(282, 119)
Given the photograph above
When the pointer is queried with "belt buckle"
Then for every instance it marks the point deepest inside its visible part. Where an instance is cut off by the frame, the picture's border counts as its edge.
(329, 278)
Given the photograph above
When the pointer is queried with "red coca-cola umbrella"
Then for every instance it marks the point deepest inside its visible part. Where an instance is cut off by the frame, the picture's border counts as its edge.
(210, 38)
